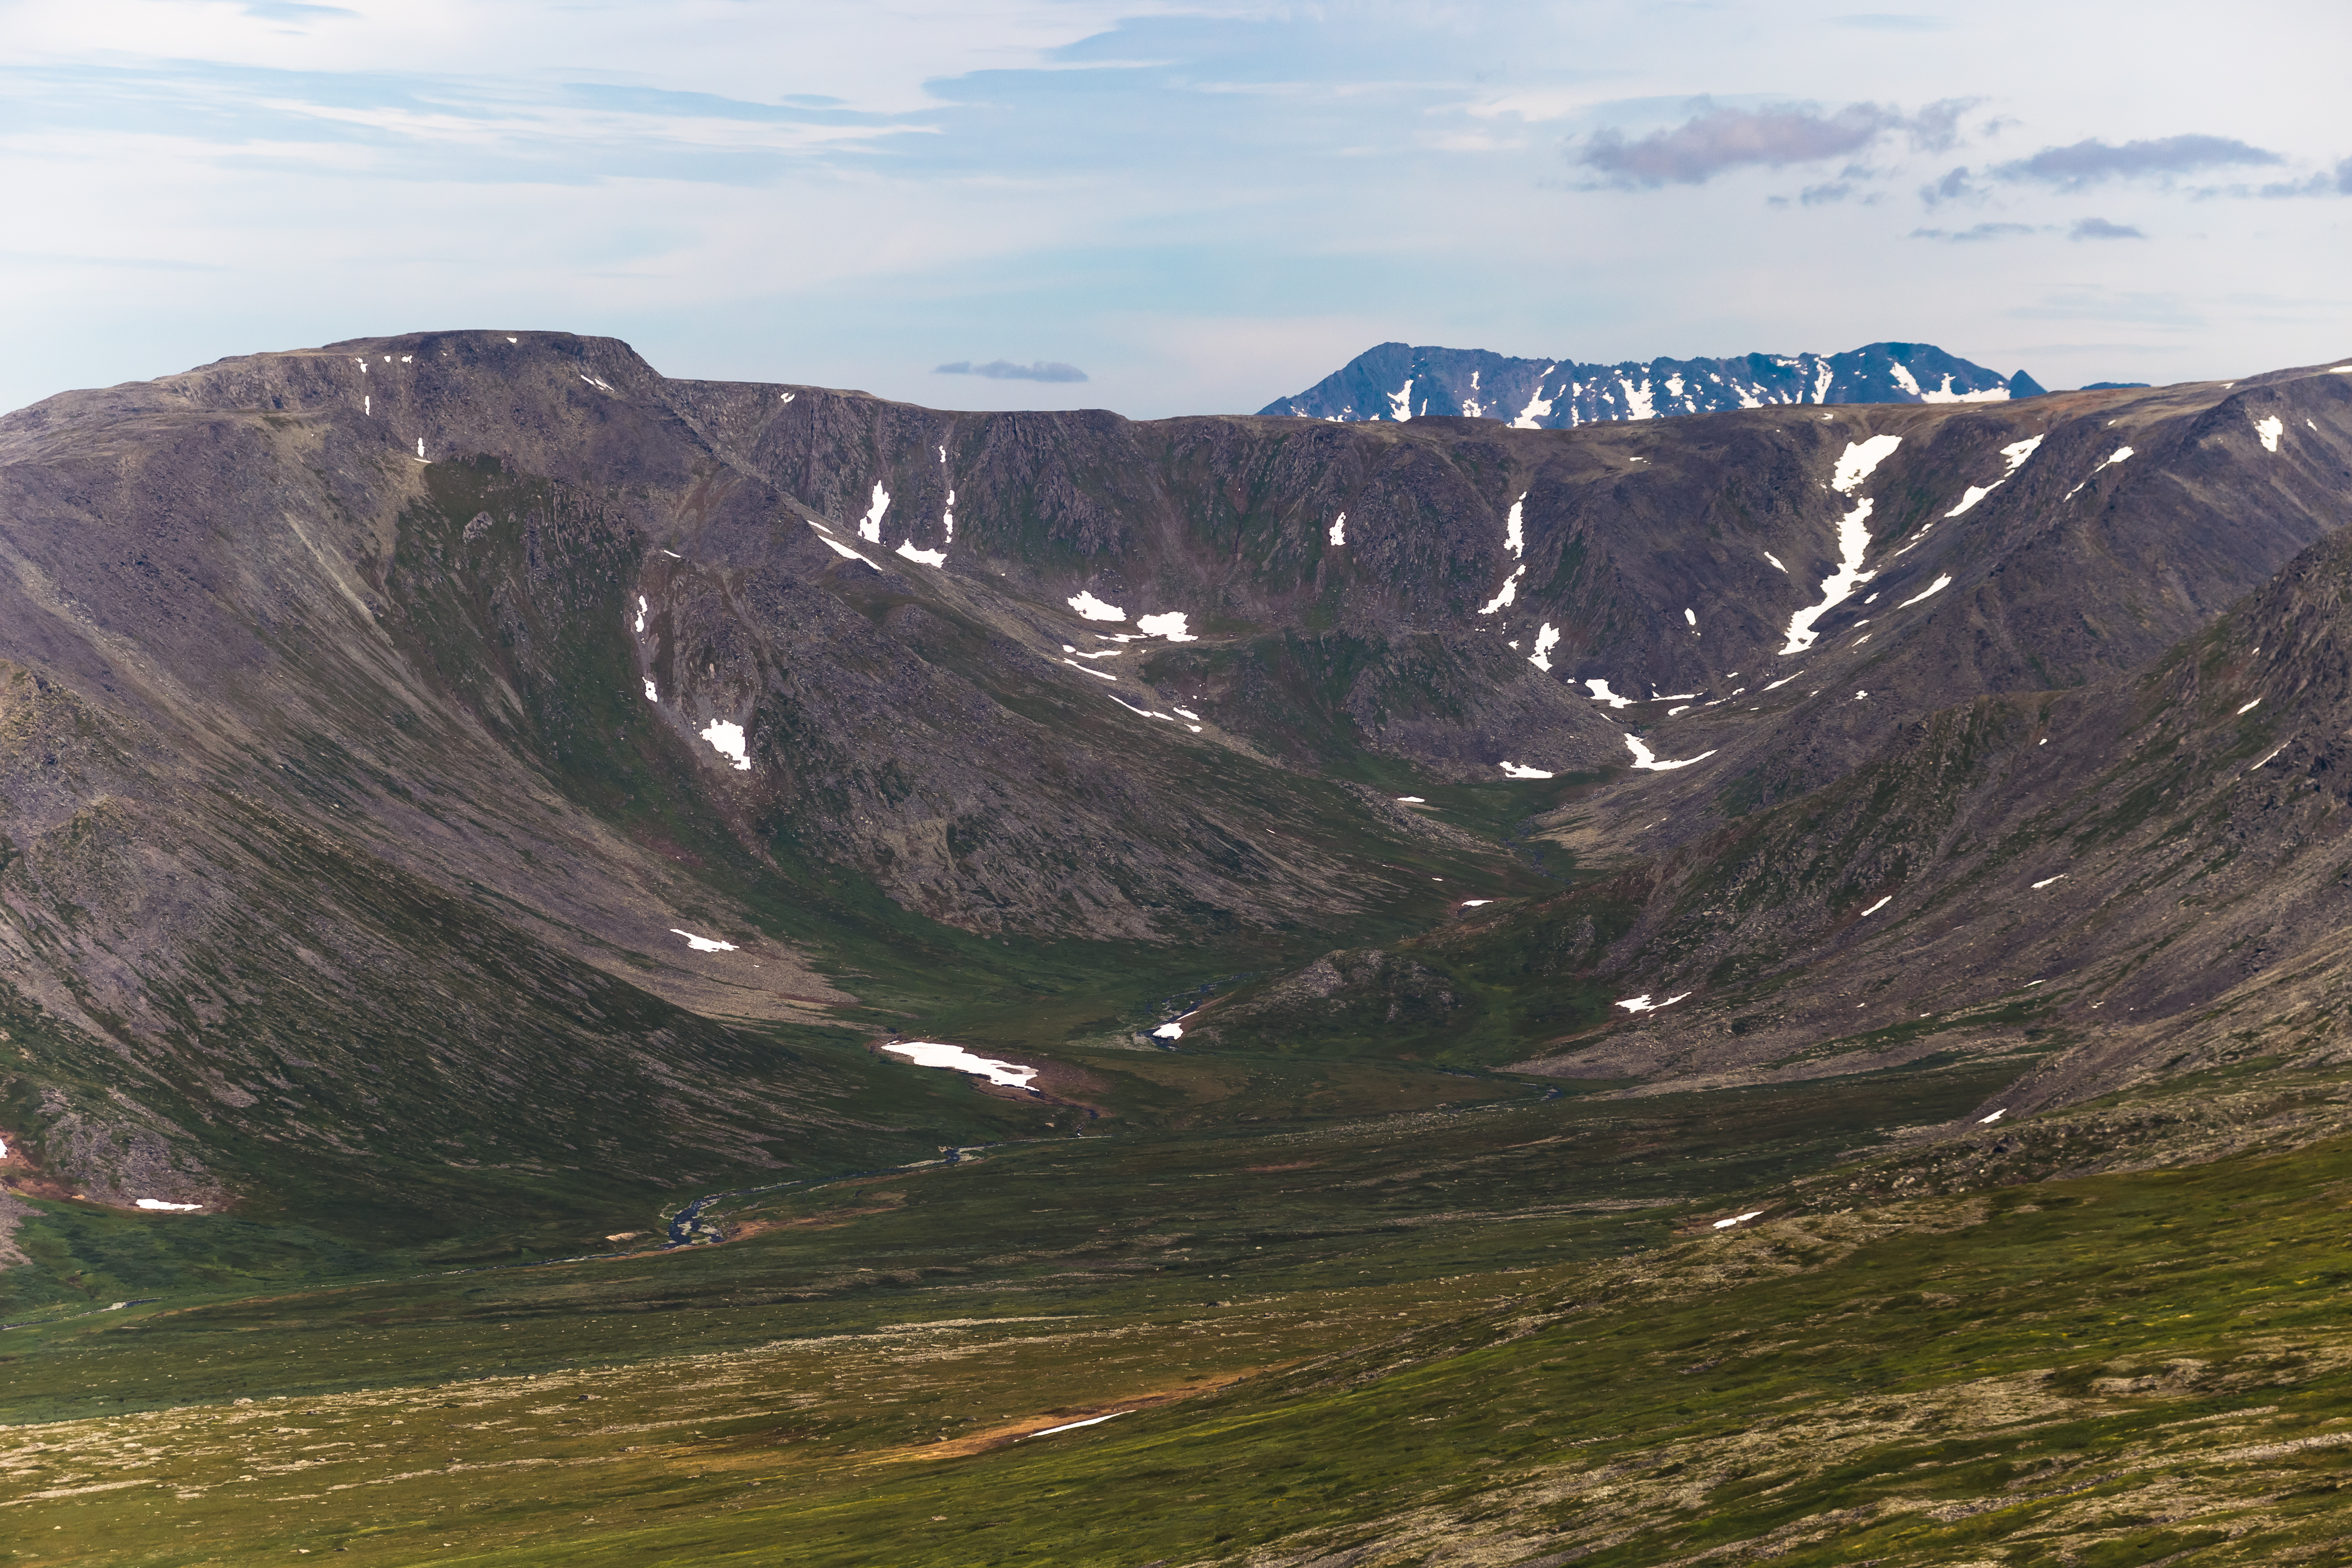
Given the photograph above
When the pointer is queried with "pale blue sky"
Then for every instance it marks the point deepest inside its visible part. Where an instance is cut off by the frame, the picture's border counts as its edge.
(1202, 207)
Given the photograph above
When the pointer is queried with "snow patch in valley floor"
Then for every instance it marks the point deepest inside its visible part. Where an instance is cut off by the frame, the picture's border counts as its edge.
(1475, 903)
(1094, 609)
(869, 528)
(703, 943)
(1645, 758)
(174, 1208)
(1514, 770)
(727, 739)
(1169, 624)
(934, 1054)
(1643, 1004)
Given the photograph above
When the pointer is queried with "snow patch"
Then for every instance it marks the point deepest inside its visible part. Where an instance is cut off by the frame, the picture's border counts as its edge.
(1169, 624)
(1601, 693)
(1546, 641)
(1510, 591)
(1776, 563)
(933, 1054)
(2251, 706)
(653, 693)
(1514, 540)
(1972, 495)
(2047, 880)
(1645, 758)
(1094, 609)
(1643, 1004)
(1098, 674)
(1858, 461)
(1340, 529)
(1401, 402)
(2269, 430)
(1989, 1120)
(1854, 542)
(2016, 452)
(869, 528)
(641, 614)
(1475, 903)
(703, 943)
(1539, 405)
(1691, 616)
(1751, 1214)
(1513, 771)
(928, 557)
(1170, 1031)
(172, 1208)
(727, 739)
(1878, 906)
(1188, 713)
(839, 548)
(1638, 404)
(1938, 586)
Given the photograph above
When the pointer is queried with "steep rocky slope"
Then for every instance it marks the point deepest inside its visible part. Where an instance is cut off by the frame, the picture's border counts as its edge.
(1398, 381)
(423, 743)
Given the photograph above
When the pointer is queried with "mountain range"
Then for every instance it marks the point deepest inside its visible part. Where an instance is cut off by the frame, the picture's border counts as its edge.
(1397, 382)
(1463, 926)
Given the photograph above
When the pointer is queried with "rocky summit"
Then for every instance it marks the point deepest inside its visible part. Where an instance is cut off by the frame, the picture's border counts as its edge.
(1397, 382)
(606, 967)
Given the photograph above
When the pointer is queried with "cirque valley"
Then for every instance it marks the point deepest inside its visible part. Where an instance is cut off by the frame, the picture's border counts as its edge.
(770, 966)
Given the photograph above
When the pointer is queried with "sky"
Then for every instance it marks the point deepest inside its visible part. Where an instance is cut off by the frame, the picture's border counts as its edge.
(1166, 208)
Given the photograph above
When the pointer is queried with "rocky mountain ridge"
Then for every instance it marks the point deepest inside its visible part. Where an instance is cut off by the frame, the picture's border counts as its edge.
(396, 727)
(1399, 382)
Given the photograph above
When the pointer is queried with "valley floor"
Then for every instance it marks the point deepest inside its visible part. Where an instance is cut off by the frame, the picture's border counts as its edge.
(1502, 1331)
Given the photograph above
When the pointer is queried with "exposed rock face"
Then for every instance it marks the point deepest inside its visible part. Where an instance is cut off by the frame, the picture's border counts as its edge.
(1398, 381)
(405, 730)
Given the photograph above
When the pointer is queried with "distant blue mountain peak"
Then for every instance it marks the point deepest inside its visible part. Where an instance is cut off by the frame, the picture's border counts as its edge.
(1399, 381)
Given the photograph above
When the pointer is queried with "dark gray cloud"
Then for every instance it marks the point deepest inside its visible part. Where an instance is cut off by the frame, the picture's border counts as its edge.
(2100, 228)
(1005, 370)
(2089, 162)
(1982, 231)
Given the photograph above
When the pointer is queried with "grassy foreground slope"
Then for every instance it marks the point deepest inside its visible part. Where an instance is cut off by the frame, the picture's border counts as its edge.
(1507, 1332)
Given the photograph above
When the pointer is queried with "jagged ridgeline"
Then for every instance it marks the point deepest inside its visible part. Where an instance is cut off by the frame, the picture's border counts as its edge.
(1399, 382)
